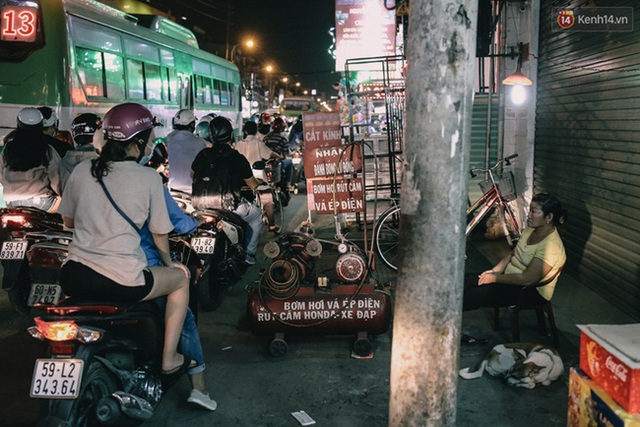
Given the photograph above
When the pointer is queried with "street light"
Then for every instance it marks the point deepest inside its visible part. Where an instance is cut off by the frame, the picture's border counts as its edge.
(248, 44)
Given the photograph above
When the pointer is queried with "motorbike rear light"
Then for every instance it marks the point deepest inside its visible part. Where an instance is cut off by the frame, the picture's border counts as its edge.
(88, 335)
(14, 221)
(46, 257)
(62, 348)
(64, 330)
(209, 219)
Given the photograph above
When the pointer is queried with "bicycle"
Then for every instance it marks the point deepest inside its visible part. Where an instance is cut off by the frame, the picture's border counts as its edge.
(498, 190)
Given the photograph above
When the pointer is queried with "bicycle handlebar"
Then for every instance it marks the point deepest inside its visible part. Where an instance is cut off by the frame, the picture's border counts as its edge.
(507, 161)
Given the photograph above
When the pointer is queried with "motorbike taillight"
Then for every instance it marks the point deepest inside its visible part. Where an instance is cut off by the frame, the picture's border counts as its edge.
(59, 330)
(46, 257)
(14, 221)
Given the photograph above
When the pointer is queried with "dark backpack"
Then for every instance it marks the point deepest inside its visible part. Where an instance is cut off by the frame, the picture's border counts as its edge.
(212, 187)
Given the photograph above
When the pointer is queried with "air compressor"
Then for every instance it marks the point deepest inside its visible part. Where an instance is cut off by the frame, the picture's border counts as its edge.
(317, 287)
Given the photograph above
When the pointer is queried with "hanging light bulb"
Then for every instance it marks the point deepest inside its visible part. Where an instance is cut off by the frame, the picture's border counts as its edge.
(518, 78)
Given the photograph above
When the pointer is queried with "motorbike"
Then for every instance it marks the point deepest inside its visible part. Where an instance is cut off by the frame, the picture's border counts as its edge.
(220, 241)
(103, 364)
(20, 228)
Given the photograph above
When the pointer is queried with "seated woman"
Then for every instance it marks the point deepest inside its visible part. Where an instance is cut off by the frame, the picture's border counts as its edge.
(29, 166)
(537, 259)
(107, 201)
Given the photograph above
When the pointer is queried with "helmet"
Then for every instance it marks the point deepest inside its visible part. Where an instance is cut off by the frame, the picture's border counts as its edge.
(207, 118)
(85, 124)
(250, 128)
(184, 117)
(220, 130)
(265, 118)
(202, 130)
(278, 125)
(125, 121)
(49, 117)
(30, 119)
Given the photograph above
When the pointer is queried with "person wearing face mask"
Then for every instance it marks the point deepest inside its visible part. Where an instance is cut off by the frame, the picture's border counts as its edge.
(106, 202)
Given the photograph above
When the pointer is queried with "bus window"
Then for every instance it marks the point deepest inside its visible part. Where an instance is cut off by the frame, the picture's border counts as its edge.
(153, 84)
(135, 80)
(169, 85)
(90, 66)
(114, 70)
(216, 92)
(224, 93)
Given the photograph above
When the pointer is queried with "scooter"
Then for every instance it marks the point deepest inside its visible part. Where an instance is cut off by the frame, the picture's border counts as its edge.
(220, 240)
(103, 365)
(19, 229)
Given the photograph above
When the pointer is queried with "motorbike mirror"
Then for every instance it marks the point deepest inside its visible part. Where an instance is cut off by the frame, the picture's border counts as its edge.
(259, 165)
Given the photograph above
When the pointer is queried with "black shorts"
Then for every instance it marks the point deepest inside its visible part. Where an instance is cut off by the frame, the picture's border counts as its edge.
(79, 281)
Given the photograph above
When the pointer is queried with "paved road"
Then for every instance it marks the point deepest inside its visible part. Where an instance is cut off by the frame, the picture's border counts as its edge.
(317, 374)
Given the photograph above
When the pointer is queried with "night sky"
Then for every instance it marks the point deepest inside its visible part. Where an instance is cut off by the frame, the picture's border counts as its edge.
(291, 34)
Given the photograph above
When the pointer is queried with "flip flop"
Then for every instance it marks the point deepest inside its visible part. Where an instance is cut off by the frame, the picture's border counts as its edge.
(169, 378)
(469, 340)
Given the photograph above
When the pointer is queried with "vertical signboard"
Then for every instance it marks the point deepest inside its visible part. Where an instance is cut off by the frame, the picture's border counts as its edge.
(364, 29)
(325, 157)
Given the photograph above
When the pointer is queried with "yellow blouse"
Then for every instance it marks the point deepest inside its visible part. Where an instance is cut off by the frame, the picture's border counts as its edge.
(550, 250)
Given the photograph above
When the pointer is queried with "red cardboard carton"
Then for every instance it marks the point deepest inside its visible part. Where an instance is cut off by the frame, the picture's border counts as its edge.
(610, 356)
(591, 406)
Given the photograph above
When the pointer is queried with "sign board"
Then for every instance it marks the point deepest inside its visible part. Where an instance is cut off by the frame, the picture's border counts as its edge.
(364, 29)
(323, 161)
(321, 130)
(348, 195)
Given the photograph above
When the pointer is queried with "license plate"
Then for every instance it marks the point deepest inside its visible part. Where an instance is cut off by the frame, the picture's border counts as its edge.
(203, 245)
(44, 294)
(13, 249)
(56, 378)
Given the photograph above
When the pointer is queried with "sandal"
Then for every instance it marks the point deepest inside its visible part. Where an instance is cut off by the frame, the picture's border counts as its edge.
(469, 340)
(170, 377)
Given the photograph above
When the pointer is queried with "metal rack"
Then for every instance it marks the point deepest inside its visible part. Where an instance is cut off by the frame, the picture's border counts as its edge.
(376, 117)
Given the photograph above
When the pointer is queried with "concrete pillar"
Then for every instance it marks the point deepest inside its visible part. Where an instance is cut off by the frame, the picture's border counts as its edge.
(426, 332)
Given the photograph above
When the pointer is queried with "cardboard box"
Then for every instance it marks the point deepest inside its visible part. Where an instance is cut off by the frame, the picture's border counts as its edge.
(610, 356)
(591, 406)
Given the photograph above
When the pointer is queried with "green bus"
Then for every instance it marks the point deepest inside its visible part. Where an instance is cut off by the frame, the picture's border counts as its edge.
(80, 56)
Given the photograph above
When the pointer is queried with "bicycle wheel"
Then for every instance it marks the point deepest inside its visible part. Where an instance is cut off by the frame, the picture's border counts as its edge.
(509, 223)
(385, 236)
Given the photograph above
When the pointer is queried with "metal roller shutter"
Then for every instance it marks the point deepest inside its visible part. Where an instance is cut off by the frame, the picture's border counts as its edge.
(587, 149)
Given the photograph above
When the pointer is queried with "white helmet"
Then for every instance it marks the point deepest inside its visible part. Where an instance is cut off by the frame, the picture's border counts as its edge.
(184, 117)
(50, 117)
(30, 118)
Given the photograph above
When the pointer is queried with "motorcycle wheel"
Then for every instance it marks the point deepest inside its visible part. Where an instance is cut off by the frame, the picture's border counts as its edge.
(96, 384)
(210, 293)
(18, 299)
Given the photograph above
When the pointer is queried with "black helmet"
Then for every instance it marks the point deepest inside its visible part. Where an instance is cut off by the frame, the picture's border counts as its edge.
(84, 126)
(49, 117)
(30, 119)
(250, 128)
(220, 130)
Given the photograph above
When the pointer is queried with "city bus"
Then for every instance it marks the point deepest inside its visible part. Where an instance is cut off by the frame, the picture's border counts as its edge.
(80, 56)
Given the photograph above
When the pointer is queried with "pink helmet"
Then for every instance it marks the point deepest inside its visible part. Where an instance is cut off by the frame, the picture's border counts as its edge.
(125, 121)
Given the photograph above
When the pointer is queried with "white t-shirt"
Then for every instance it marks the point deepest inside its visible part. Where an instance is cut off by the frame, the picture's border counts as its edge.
(102, 239)
(254, 149)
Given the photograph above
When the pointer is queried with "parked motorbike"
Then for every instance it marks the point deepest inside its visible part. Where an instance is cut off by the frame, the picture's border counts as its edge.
(19, 229)
(103, 365)
(220, 240)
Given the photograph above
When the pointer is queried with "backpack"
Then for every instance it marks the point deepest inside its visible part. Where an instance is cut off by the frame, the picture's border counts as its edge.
(212, 187)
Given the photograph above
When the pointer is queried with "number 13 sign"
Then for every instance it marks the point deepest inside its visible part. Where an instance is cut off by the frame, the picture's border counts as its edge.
(19, 24)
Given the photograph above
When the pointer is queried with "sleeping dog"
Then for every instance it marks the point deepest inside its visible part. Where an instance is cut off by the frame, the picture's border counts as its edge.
(520, 364)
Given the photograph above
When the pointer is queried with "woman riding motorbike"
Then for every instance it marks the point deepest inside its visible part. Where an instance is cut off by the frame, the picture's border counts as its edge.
(106, 201)
(29, 166)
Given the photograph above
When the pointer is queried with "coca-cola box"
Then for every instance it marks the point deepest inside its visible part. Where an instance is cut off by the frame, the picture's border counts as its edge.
(610, 356)
(591, 406)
